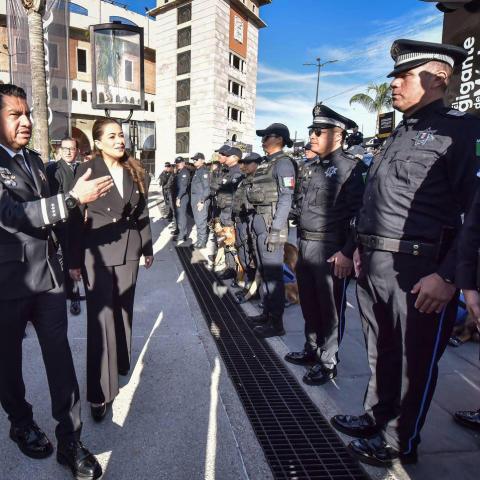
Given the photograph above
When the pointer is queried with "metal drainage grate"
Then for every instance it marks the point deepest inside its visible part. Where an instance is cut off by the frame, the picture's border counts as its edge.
(297, 440)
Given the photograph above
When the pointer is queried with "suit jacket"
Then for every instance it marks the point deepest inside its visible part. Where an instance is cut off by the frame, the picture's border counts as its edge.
(28, 261)
(111, 229)
(60, 176)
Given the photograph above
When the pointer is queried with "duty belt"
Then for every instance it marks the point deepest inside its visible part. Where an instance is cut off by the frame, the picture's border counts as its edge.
(393, 245)
(319, 236)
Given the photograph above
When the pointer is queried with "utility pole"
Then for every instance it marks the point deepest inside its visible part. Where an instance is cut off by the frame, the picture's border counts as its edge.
(319, 67)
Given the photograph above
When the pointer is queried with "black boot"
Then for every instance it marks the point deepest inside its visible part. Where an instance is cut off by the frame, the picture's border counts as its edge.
(273, 328)
(80, 461)
(319, 375)
(362, 426)
(257, 320)
(301, 358)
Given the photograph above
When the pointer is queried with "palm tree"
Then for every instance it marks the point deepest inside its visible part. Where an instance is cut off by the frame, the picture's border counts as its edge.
(35, 10)
(380, 100)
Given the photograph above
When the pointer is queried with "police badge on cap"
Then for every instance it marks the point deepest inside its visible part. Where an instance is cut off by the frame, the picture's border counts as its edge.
(409, 54)
(324, 117)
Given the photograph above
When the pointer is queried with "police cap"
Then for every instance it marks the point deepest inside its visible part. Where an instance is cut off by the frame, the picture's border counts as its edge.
(179, 160)
(251, 158)
(278, 129)
(409, 54)
(168, 164)
(198, 156)
(234, 151)
(324, 116)
(223, 150)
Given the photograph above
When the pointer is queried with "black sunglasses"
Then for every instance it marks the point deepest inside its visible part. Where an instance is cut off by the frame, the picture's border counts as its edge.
(270, 135)
(318, 131)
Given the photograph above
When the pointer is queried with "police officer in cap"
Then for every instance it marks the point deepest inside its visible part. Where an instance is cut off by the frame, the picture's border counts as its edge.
(418, 187)
(182, 198)
(200, 198)
(163, 181)
(271, 194)
(217, 177)
(242, 214)
(331, 196)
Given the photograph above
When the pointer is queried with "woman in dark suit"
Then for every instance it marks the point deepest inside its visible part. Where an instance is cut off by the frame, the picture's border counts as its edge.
(108, 239)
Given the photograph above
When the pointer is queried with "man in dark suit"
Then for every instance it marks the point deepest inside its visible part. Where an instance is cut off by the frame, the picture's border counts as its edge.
(31, 289)
(60, 177)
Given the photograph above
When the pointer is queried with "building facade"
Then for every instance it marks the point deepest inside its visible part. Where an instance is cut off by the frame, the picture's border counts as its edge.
(207, 57)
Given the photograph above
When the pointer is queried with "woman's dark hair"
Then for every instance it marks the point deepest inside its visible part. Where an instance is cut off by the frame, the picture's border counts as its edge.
(132, 165)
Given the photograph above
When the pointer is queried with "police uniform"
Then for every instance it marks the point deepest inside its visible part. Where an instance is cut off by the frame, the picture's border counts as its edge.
(216, 181)
(418, 187)
(302, 170)
(331, 196)
(355, 138)
(169, 192)
(200, 194)
(242, 214)
(271, 194)
(164, 182)
(181, 195)
(31, 289)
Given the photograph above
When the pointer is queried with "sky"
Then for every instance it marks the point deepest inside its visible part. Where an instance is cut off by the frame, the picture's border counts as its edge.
(358, 34)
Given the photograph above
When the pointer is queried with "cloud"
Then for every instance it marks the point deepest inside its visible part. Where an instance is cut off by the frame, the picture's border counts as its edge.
(288, 96)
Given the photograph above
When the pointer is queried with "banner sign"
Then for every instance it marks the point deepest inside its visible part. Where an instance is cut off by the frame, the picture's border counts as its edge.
(462, 28)
(386, 124)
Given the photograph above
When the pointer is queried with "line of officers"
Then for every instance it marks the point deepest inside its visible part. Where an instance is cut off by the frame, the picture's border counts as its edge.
(397, 223)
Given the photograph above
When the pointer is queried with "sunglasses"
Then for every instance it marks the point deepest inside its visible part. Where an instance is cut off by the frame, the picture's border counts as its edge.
(271, 135)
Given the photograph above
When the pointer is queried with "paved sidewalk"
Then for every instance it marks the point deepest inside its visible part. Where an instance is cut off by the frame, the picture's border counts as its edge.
(177, 416)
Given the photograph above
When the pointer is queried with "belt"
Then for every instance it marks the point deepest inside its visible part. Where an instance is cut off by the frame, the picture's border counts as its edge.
(318, 236)
(393, 245)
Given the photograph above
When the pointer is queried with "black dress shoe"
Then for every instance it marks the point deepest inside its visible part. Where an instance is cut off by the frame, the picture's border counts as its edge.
(261, 319)
(81, 462)
(226, 274)
(301, 358)
(98, 412)
(377, 452)
(271, 329)
(362, 427)
(75, 308)
(31, 441)
(319, 375)
(470, 419)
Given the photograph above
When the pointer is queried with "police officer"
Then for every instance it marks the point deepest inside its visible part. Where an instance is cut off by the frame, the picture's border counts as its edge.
(271, 194)
(417, 189)
(200, 199)
(182, 199)
(242, 214)
(355, 138)
(31, 289)
(332, 190)
(468, 279)
(229, 183)
(169, 192)
(163, 181)
(61, 175)
(310, 157)
(216, 179)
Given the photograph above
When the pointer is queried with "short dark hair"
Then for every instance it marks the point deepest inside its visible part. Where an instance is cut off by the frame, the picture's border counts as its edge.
(10, 90)
(69, 139)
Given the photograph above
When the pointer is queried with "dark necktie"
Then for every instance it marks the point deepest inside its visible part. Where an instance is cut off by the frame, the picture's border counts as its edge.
(22, 164)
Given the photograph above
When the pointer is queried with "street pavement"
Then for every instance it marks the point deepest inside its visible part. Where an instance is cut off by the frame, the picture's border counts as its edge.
(177, 416)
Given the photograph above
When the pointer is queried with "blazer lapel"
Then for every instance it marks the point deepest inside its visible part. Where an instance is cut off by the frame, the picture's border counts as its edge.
(101, 170)
(128, 185)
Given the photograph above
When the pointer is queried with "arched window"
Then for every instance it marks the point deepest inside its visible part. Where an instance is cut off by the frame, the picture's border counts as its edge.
(64, 93)
(74, 95)
(54, 91)
(152, 107)
(83, 96)
(118, 99)
(125, 100)
(132, 100)
(101, 98)
(145, 106)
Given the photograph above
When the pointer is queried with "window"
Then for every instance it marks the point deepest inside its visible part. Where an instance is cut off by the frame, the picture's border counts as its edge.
(183, 116)
(125, 21)
(234, 114)
(64, 93)
(101, 98)
(81, 60)
(53, 55)
(74, 95)
(152, 106)
(184, 14)
(83, 95)
(184, 37)
(128, 71)
(21, 49)
(132, 100)
(183, 90)
(118, 99)
(54, 91)
(235, 88)
(183, 63)
(236, 62)
(183, 142)
(145, 106)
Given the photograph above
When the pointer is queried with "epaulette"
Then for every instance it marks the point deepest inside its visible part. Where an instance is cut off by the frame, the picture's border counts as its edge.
(350, 156)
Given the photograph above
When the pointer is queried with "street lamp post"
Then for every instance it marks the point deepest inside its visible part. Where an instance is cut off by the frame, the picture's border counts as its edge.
(319, 67)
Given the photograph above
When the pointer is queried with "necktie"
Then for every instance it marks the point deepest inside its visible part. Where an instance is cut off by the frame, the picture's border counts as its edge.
(20, 159)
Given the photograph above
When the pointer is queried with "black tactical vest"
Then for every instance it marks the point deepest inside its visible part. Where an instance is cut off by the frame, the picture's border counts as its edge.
(241, 206)
(263, 191)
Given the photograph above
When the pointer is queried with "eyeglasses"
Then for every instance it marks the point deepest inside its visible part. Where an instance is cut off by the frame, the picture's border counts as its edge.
(67, 149)
(316, 131)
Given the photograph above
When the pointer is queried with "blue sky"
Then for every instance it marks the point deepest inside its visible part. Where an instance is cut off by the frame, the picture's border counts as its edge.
(356, 33)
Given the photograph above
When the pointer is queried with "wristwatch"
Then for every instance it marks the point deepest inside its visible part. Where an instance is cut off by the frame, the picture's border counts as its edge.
(71, 201)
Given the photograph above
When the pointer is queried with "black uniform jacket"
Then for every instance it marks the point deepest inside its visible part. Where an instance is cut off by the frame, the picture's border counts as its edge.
(28, 260)
(60, 176)
(332, 191)
(111, 229)
(423, 180)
